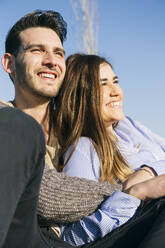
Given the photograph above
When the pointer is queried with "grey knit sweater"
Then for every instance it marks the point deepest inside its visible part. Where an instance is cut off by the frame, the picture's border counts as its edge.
(68, 199)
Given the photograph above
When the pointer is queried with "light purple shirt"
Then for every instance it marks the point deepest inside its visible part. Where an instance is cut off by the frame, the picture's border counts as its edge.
(139, 146)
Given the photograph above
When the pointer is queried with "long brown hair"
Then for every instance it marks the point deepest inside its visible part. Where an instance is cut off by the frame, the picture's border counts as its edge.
(78, 114)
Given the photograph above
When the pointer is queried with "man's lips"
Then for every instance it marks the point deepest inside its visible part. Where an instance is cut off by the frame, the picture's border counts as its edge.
(44, 74)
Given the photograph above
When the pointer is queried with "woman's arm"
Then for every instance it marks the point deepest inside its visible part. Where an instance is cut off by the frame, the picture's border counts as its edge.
(140, 146)
(115, 211)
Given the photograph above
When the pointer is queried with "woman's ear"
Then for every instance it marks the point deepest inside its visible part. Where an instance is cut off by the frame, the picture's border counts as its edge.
(8, 63)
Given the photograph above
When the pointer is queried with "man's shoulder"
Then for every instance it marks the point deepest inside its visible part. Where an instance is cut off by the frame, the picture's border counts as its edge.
(4, 104)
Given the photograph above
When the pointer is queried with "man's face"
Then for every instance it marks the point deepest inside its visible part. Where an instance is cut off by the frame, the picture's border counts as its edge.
(40, 64)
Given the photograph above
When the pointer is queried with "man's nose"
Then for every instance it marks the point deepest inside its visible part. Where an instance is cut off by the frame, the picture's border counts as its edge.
(50, 59)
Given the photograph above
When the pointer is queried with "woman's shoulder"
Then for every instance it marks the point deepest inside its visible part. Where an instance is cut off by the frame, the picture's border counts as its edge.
(85, 141)
(84, 161)
(85, 145)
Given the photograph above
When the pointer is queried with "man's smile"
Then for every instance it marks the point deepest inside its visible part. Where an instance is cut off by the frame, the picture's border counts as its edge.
(51, 75)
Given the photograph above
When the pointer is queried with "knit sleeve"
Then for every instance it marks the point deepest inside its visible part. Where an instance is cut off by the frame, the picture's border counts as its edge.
(65, 199)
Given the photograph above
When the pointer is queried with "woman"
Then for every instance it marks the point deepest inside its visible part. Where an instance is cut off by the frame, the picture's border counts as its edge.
(91, 101)
(85, 112)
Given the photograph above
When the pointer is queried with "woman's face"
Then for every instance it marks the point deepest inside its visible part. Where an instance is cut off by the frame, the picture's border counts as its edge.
(111, 96)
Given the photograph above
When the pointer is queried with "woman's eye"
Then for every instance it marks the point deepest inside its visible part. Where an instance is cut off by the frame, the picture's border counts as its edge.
(103, 84)
(116, 82)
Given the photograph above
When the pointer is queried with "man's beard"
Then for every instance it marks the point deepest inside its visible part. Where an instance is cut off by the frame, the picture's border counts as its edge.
(23, 83)
(35, 92)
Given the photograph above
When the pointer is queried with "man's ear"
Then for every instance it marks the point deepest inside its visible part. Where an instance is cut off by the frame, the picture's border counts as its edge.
(8, 63)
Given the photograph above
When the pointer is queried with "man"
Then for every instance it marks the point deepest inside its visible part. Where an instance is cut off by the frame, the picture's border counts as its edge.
(35, 61)
(20, 184)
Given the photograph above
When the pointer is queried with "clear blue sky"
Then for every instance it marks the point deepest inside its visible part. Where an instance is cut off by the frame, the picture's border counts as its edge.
(131, 36)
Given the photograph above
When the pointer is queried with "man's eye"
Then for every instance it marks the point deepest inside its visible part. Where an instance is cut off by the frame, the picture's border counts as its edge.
(36, 50)
(60, 54)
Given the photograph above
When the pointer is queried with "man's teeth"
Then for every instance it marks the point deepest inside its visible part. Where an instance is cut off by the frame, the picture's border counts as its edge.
(47, 75)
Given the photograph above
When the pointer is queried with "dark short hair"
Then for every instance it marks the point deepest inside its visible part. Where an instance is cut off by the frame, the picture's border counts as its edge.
(38, 18)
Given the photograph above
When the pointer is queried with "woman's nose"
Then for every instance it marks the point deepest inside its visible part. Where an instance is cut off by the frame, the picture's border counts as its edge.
(114, 90)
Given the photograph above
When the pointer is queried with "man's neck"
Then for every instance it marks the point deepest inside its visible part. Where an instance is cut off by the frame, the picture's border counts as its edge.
(38, 109)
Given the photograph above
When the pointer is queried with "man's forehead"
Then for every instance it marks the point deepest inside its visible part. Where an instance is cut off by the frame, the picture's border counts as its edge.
(40, 35)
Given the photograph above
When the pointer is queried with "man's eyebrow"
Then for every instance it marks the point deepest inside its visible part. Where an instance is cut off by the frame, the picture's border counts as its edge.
(60, 50)
(42, 46)
(31, 46)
